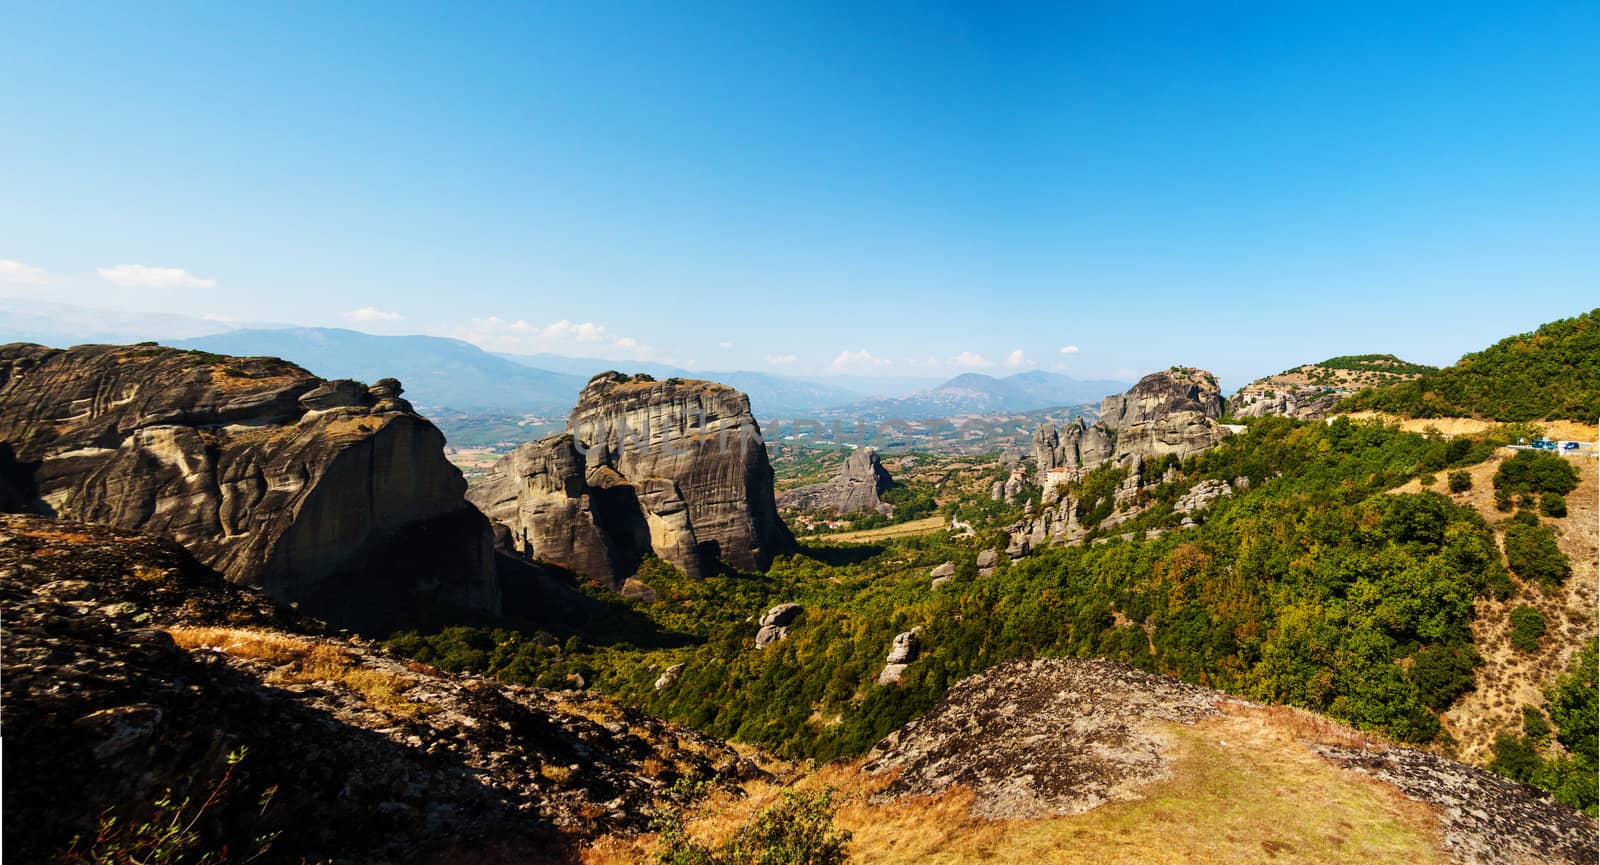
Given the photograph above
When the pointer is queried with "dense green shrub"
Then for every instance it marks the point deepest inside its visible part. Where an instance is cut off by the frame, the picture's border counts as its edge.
(1443, 673)
(1533, 554)
(1553, 505)
(797, 830)
(1527, 626)
(1514, 757)
(1535, 727)
(1536, 472)
(1551, 373)
(1571, 704)
(1460, 480)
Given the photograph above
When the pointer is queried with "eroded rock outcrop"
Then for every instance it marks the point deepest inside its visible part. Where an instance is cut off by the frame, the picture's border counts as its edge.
(131, 669)
(859, 485)
(675, 468)
(1175, 411)
(1045, 737)
(328, 493)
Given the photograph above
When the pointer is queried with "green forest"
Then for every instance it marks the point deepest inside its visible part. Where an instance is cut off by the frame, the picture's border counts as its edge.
(1316, 587)
(1550, 374)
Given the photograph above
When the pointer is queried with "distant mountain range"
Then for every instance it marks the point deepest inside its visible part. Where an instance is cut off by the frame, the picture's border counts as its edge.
(771, 396)
(440, 373)
(976, 393)
(437, 372)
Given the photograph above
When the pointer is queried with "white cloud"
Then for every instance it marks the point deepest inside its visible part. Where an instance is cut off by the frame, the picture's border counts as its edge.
(370, 313)
(858, 360)
(17, 273)
(1016, 359)
(972, 360)
(525, 337)
(144, 276)
(780, 359)
(1069, 349)
(725, 344)
(567, 330)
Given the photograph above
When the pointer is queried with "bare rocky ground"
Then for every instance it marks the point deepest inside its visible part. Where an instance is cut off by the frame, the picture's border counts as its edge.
(1059, 737)
(1031, 738)
(131, 670)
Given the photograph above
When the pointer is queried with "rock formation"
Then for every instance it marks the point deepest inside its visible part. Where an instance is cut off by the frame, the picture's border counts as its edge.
(1311, 403)
(775, 624)
(861, 482)
(131, 669)
(1174, 411)
(675, 468)
(1038, 738)
(1310, 391)
(905, 650)
(329, 493)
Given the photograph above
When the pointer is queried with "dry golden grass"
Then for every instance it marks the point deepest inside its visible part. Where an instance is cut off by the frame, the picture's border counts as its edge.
(306, 661)
(269, 646)
(1562, 430)
(926, 525)
(1244, 788)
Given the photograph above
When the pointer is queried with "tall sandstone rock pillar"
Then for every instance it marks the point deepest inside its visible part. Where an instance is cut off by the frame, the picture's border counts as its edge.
(675, 468)
(327, 493)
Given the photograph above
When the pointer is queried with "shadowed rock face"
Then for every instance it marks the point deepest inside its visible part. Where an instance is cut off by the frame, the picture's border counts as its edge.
(327, 493)
(860, 482)
(1174, 411)
(104, 709)
(675, 468)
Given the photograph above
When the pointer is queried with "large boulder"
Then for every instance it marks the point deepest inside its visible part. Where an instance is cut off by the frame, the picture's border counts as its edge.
(859, 485)
(323, 493)
(675, 468)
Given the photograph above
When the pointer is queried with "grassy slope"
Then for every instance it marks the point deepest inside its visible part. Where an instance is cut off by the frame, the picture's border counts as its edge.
(1244, 788)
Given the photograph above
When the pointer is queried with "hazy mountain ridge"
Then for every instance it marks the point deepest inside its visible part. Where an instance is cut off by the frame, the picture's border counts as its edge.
(977, 393)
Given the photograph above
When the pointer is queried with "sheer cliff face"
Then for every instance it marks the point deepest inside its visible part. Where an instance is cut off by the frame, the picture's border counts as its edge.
(328, 493)
(675, 468)
(860, 483)
(1174, 411)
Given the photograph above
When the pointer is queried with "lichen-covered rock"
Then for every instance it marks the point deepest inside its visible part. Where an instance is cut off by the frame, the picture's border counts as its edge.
(859, 485)
(1032, 738)
(132, 670)
(324, 493)
(674, 468)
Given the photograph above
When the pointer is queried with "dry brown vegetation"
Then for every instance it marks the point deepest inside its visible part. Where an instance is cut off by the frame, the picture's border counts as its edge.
(1244, 788)
(1509, 678)
(924, 526)
(305, 661)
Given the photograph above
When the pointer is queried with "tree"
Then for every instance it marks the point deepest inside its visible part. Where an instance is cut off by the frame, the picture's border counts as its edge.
(1527, 626)
(1533, 554)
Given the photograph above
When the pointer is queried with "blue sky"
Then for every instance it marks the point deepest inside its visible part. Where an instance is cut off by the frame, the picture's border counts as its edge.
(912, 189)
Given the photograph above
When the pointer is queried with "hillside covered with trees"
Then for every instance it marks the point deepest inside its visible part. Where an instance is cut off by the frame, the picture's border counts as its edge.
(1550, 374)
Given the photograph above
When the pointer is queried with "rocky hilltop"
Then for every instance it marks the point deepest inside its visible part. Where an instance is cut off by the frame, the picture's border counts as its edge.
(131, 671)
(859, 485)
(332, 494)
(1175, 411)
(676, 468)
(1312, 390)
(1063, 738)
